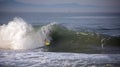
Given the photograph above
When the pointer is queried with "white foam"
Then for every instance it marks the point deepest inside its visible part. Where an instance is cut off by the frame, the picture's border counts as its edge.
(17, 34)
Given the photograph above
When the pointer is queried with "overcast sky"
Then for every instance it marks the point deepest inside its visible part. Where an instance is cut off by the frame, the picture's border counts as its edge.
(60, 5)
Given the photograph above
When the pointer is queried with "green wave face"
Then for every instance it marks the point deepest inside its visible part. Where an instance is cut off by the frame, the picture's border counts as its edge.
(64, 40)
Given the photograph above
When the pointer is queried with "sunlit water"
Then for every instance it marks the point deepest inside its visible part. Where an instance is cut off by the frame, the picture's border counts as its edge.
(74, 33)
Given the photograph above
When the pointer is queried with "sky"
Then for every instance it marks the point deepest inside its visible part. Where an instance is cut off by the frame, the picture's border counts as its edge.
(60, 6)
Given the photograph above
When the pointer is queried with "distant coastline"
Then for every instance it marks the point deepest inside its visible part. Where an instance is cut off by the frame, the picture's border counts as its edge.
(81, 13)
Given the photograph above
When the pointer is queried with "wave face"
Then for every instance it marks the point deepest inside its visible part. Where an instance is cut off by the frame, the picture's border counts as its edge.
(17, 34)
(66, 40)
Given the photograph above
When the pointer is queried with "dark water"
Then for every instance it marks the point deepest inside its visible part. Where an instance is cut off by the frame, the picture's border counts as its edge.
(97, 34)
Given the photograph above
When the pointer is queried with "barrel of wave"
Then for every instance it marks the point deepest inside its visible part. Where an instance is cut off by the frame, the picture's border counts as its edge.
(17, 34)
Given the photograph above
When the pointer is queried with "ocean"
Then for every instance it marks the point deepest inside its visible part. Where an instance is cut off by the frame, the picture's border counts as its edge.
(74, 33)
(104, 23)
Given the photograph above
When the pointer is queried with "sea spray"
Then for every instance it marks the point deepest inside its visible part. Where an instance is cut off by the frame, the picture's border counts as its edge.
(17, 34)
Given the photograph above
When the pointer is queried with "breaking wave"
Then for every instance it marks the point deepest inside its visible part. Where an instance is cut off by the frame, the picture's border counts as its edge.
(17, 34)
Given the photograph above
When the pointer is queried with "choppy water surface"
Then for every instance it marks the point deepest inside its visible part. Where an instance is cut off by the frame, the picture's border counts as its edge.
(47, 59)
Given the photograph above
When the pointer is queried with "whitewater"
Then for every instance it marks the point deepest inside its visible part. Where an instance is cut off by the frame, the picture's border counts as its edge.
(17, 34)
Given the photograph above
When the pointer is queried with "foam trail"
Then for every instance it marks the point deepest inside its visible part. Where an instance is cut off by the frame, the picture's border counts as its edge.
(17, 34)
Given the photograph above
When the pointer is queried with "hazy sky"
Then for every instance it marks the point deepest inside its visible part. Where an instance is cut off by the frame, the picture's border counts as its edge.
(60, 5)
